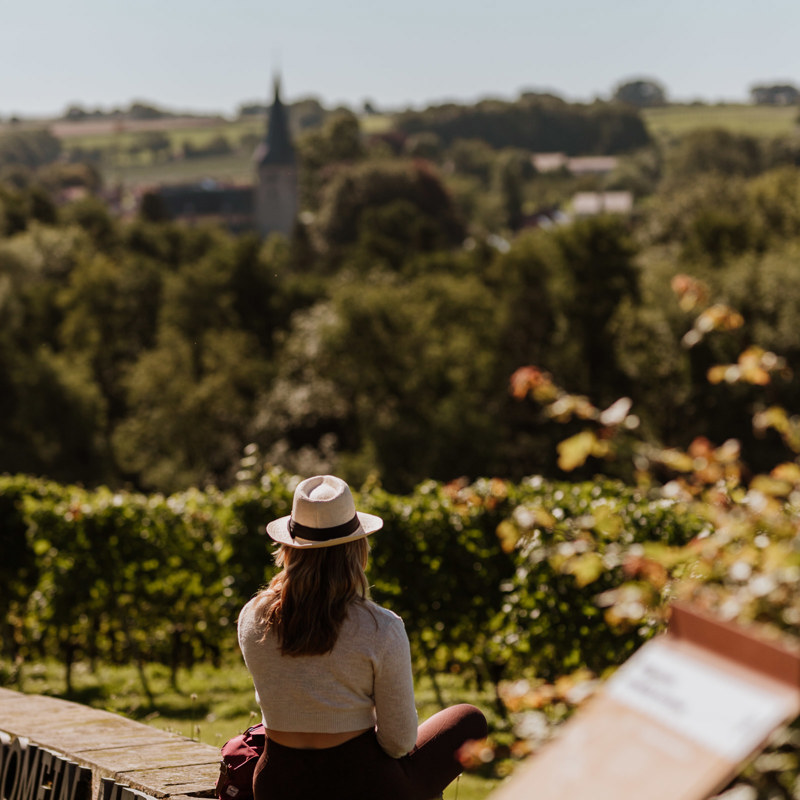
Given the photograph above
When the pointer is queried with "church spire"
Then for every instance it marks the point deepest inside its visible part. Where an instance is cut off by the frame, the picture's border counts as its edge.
(276, 147)
(275, 189)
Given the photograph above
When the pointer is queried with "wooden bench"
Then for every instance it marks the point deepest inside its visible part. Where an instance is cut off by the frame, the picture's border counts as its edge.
(125, 757)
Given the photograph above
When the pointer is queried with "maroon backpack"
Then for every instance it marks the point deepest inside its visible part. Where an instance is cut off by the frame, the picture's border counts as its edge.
(239, 758)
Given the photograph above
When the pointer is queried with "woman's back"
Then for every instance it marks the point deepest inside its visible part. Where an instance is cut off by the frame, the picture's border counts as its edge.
(365, 679)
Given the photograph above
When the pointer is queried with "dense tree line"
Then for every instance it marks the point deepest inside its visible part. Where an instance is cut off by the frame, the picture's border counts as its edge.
(379, 339)
(542, 123)
(154, 353)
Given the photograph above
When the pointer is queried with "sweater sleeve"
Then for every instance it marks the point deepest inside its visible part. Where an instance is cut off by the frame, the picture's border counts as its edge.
(395, 711)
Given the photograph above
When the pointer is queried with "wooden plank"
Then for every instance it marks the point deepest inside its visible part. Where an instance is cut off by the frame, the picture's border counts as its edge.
(28, 715)
(69, 736)
(15, 704)
(174, 753)
(192, 779)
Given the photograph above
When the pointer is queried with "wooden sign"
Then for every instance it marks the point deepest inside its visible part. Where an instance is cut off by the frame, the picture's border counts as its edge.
(675, 722)
(28, 772)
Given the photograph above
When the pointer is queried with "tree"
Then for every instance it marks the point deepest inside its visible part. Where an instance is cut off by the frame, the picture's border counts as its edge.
(524, 281)
(592, 262)
(775, 200)
(415, 362)
(29, 148)
(512, 169)
(639, 173)
(712, 217)
(152, 208)
(781, 94)
(641, 93)
(349, 203)
(714, 150)
(471, 157)
(188, 395)
(14, 210)
(41, 206)
(59, 175)
(143, 110)
(50, 414)
(157, 143)
(395, 378)
(216, 146)
(671, 217)
(424, 145)
(306, 113)
(190, 404)
(75, 112)
(110, 311)
(198, 296)
(338, 141)
(93, 216)
(392, 232)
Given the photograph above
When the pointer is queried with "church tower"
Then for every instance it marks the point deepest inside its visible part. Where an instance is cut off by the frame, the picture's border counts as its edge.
(275, 201)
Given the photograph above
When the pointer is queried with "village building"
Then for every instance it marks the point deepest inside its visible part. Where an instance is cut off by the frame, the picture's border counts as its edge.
(574, 165)
(268, 206)
(589, 204)
(275, 190)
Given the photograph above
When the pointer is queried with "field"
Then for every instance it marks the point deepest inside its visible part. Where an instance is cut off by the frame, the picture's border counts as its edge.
(196, 130)
(677, 120)
(232, 168)
(211, 704)
(117, 140)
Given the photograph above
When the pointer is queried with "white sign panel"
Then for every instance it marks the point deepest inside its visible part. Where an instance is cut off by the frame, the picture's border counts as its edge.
(707, 705)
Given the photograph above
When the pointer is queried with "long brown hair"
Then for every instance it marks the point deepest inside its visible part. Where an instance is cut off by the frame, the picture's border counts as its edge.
(306, 602)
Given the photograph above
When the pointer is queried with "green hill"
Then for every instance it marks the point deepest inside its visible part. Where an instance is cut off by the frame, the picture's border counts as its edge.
(675, 120)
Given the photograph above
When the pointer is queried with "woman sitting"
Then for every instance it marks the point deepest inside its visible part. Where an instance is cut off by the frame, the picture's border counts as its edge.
(332, 670)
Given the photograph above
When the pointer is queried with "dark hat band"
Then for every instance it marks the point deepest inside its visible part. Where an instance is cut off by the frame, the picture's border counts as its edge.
(296, 530)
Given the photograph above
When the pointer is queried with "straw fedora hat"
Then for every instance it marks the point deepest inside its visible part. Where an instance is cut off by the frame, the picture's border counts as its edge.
(323, 514)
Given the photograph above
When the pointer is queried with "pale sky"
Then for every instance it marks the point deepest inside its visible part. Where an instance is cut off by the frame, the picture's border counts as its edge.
(210, 56)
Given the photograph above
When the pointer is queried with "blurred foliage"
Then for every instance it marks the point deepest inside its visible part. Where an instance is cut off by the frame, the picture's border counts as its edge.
(377, 340)
(29, 148)
(388, 210)
(715, 150)
(337, 141)
(537, 122)
(120, 576)
(641, 93)
(741, 563)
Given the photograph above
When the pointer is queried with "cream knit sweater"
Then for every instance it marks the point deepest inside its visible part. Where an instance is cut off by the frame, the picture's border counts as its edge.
(364, 681)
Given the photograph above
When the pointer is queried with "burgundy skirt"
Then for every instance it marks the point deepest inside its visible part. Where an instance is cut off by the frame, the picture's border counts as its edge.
(360, 770)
